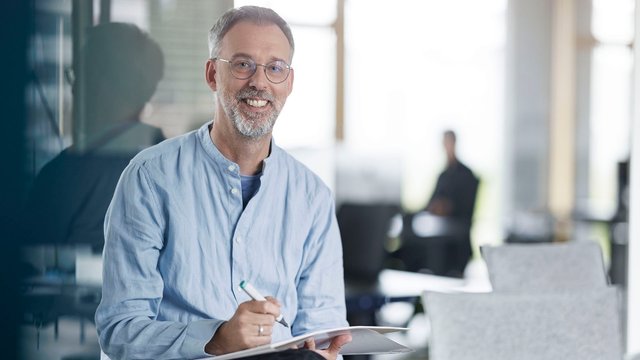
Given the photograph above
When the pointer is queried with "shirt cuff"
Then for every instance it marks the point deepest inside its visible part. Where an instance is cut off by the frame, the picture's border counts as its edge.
(199, 333)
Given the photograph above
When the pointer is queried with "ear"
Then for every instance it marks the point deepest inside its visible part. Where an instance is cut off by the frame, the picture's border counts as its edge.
(290, 82)
(210, 74)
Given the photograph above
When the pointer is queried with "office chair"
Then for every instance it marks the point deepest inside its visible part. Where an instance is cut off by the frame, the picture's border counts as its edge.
(364, 229)
(437, 244)
(525, 326)
(545, 267)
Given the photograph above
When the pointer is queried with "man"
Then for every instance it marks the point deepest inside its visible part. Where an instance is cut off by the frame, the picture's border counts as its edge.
(194, 216)
(454, 198)
(446, 249)
(454, 194)
(455, 190)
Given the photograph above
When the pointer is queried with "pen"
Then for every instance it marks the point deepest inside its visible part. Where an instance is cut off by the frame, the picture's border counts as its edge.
(255, 295)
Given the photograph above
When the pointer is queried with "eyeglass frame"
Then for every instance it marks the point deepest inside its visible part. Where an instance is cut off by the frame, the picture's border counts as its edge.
(264, 68)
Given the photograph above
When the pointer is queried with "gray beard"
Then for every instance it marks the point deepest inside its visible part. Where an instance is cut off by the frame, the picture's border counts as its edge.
(252, 127)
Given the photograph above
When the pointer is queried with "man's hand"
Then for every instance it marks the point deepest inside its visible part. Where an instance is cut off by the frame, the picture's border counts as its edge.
(440, 207)
(250, 326)
(333, 350)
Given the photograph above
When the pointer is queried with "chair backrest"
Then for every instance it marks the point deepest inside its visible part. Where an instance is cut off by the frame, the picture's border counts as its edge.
(364, 229)
(525, 326)
(545, 267)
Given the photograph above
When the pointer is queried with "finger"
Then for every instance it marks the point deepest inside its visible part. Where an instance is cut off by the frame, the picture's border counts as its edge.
(272, 306)
(260, 340)
(251, 306)
(273, 300)
(260, 334)
(338, 342)
(252, 314)
(264, 319)
(310, 344)
(263, 307)
(267, 330)
(252, 329)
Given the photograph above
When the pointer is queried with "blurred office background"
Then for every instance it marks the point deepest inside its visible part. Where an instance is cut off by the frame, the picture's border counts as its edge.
(539, 93)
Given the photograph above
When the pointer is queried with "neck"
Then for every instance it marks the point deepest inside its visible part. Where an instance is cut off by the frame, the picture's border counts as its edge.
(248, 153)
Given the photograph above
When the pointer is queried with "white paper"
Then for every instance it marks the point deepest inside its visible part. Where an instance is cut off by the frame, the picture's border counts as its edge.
(364, 340)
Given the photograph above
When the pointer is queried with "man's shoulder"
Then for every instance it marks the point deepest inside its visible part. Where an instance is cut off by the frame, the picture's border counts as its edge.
(463, 168)
(466, 176)
(300, 177)
(300, 169)
(166, 148)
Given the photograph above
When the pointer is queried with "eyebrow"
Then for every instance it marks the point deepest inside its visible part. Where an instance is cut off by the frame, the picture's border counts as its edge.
(273, 58)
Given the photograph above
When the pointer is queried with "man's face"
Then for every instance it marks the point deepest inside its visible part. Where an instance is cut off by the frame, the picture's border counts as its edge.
(253, 104)
(449, 145)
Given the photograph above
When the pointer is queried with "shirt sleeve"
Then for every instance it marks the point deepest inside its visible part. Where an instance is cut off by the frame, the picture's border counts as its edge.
(132, 290)
(321, 300)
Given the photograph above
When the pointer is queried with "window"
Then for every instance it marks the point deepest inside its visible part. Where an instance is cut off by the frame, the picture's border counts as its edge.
(307, 123)
(610, 105)
(416, 68)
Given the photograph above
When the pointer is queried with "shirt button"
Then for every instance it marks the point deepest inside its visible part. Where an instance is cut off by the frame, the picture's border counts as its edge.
(238, 239)
(231, 168)
(234, 191)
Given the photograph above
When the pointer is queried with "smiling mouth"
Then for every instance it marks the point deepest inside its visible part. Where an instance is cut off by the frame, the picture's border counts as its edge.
(256, 103)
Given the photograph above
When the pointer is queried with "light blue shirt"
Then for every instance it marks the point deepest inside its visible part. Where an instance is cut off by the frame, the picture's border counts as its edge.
(178, 243)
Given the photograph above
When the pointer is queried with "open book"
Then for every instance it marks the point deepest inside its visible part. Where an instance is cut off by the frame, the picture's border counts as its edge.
(365, 340)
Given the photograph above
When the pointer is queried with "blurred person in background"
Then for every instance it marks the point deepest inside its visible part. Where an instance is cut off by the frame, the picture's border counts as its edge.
(454, 194)
(454, 198)
(437, 239)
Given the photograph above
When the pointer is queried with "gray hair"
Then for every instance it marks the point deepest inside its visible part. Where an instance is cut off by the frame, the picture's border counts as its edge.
(255, 14)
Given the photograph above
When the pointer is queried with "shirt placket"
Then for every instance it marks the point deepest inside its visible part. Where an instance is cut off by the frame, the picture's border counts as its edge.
(238, 238)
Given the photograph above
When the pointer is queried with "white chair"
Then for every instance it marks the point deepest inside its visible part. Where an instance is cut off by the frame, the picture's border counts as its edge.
(573, 325)
(545, 267)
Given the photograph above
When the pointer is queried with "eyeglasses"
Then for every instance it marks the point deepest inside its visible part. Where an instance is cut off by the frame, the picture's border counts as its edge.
(243, 68)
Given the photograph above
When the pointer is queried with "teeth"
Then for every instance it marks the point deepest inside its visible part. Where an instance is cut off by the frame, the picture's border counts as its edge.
(256, 103)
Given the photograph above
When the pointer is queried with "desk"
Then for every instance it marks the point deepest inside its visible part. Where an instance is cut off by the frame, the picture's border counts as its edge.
(437, 244)
(403, 286)
(404, 283)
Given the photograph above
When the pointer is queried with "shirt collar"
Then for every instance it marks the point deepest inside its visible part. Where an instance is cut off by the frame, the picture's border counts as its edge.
(216, 155)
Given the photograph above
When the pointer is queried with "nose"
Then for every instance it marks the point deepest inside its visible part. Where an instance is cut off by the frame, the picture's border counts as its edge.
(259, 79)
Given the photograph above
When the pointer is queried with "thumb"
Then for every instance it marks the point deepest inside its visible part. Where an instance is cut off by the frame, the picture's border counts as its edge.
(310, 344)
(338, 342)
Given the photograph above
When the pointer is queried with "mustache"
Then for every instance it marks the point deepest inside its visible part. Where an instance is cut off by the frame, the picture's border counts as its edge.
(249, 92)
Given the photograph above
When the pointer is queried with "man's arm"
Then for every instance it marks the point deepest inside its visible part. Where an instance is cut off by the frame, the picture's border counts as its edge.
(440, 202)
(321, 300)
(132, 285)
